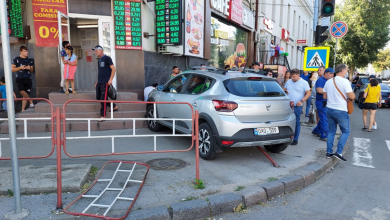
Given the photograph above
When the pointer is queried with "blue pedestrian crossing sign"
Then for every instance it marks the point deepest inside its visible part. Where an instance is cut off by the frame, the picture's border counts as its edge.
(316, 57)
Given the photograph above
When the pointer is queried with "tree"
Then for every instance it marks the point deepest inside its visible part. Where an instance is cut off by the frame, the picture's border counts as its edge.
(383, 61)
(368, 32)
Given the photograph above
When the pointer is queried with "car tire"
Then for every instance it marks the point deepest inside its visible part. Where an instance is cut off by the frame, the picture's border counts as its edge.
(206, 142)
(153, 125)
(277, 148)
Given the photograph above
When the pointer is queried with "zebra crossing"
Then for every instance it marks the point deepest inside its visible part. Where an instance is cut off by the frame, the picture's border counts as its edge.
(362, 152)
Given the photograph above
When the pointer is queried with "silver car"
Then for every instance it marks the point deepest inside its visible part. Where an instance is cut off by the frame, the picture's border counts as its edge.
(236, 109)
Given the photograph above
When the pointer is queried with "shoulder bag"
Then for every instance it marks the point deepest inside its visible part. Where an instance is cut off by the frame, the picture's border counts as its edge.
(349, 102)
(362, 100)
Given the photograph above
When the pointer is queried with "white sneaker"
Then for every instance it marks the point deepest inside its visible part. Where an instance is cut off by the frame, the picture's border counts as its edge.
(32, 105)
(374, 126)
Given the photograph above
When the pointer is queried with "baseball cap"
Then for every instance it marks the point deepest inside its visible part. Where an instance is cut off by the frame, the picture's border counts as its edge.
(329, 70)
(98, 47)
(256, 63)
(372, 77)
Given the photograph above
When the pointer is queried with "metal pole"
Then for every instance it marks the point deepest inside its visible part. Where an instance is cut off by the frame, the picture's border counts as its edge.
(59, 159)
(197, 144)
(335, 53)
(10, 105)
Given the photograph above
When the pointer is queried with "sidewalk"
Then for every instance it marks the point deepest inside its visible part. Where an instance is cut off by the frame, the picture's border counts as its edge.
(238, 176)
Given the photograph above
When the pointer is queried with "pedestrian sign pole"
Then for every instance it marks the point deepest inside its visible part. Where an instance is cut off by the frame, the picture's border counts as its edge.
(315, 57)
(338, 30)
(18, 213)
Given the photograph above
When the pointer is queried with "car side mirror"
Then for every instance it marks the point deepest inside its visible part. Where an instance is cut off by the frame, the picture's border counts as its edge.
(160, 88)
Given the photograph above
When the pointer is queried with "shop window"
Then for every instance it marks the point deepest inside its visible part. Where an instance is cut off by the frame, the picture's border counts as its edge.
(228, 45)
(91, 7)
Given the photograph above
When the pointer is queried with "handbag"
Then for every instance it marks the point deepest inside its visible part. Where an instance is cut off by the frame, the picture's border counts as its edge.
(112, 92)
(363, 100)
(349, 102)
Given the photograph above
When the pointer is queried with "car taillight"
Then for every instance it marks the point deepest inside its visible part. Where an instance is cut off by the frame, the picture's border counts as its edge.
(358, 85)
(226, 143)
(224, 106)
(255, 78)
(292, 105)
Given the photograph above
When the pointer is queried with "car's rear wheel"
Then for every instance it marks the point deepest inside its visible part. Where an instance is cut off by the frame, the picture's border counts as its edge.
(277, 148)
(206, 142)
(153, 125)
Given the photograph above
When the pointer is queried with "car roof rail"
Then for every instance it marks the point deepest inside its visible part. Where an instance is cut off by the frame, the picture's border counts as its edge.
(210, 69)
(261, 72)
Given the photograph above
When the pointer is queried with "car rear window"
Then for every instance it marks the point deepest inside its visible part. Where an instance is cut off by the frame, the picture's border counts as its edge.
(253, 87)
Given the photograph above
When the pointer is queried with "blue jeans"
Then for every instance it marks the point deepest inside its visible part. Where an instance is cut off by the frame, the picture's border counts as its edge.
(308, 104)
(342, 119)
(4, 105)
(297, 112)
(322, 126)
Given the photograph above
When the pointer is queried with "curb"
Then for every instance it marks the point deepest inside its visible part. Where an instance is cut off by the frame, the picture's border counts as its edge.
(225, 203)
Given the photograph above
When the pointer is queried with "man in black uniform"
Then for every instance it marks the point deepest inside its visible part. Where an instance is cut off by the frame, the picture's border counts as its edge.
(106, 73)
(23, 66)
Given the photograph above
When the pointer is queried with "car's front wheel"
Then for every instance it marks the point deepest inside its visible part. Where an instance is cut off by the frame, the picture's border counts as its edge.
(277, 148)
(153, 125)
(206, 142)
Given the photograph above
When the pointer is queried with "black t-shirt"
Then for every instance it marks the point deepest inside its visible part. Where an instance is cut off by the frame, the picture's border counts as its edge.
(104, 70)
(18, 62)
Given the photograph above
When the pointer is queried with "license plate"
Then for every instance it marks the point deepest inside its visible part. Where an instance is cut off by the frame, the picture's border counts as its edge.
(383, 101)
(265, 131)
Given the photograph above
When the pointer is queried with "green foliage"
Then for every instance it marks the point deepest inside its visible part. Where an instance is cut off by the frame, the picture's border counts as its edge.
(383, 61)
(368, 31)
(10, 193)
(272, 179)
(239, 188)
(199, 184)
(190, 198)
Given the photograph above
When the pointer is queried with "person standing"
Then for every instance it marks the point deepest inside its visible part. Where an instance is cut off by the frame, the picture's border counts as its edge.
(4, 93)
(306, 76)
(23, 66)
(335, 92)
(373, 97)
(298, 90)
(70, 67)
(271, 52)
(106, 73)
(286, 77)
(321, 71)
(175, 72)
(256, 66)
(321, 130)
(63, 55)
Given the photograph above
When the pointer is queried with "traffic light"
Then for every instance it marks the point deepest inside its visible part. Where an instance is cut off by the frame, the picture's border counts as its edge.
(319, 38)
(327, 8)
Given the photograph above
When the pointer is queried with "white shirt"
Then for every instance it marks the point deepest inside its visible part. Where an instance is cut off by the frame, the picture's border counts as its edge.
(335, 100)
(296, 90)
(148, 90)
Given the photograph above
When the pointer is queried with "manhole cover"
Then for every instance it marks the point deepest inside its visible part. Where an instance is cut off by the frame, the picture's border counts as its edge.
(166, 164)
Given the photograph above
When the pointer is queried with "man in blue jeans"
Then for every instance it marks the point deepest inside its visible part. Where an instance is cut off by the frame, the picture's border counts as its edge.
(336, 90)
(322, 127)
(298, 90)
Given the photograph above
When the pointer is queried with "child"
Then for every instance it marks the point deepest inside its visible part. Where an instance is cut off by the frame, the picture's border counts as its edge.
(3, 92)
(63, 54)
(70, 67)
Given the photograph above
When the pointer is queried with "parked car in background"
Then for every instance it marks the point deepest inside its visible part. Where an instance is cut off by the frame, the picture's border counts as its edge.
(236, 109)
(385, 90)
(362, 81)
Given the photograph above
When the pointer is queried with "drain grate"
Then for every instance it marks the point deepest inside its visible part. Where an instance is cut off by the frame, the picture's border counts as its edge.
(166, 164)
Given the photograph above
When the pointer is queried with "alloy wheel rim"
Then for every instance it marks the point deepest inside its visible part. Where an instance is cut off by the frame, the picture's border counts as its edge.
(204, 141)
(152, 123)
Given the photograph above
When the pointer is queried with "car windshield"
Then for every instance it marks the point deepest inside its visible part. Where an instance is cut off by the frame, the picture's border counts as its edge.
(384, 86)
(253, 87)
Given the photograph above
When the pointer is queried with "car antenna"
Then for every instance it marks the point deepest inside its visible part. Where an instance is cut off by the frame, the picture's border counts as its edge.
(246, 64)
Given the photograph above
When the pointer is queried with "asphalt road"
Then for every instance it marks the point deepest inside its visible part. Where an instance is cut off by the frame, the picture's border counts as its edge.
(357, 189)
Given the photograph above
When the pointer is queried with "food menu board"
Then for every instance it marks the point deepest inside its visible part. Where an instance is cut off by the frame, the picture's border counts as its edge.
(128, 31)
(194, 28)
(169, 22)
(14, 16)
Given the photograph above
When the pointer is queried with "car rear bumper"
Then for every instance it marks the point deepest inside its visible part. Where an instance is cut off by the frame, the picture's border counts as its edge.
(247, 138)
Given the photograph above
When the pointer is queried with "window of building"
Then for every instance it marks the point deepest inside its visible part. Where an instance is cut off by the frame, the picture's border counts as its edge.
(288, 17)
(293, 29)
(281, 13)
(228, 45)
(262, 6)
(273, 10)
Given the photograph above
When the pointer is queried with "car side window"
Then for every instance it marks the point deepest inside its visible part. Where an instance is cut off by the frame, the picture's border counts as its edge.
(207, 84)
(197, 84)
(176, 85)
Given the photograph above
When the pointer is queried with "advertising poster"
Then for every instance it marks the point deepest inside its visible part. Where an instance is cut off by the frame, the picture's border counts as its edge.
(194, 28)
(46, 22)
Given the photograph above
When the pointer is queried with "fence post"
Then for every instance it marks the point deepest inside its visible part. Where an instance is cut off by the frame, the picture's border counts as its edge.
(59, 160)
(197, 143)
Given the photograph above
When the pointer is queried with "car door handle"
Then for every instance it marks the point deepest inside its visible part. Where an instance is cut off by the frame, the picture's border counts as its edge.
(195, 104)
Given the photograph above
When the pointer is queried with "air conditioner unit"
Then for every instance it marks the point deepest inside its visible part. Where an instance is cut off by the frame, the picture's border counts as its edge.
(257, 37)
(175, 50)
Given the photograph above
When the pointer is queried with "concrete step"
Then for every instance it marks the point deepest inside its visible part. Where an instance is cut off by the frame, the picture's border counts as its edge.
(61, 98)
(45, 125)
(44, 107)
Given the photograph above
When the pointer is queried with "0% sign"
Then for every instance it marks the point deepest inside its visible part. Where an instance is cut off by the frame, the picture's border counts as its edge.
(45, 32)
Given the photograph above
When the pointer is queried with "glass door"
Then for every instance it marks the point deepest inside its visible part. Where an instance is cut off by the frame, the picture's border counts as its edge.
(106, 39)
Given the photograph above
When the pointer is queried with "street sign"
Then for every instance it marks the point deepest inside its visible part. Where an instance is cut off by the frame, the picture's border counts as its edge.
(301, 41)
(316, 57)
(338, 29)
